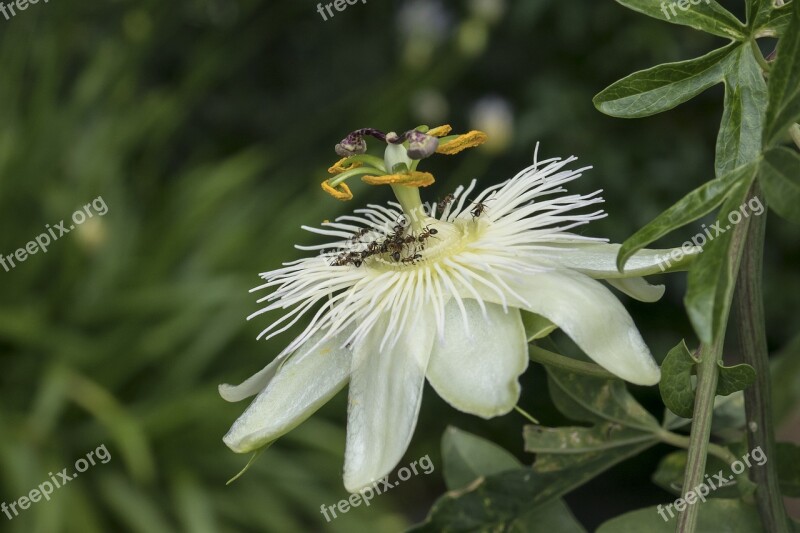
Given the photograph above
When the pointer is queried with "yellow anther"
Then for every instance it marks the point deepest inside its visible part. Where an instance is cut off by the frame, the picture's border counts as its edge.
(462, 142)
(342, 193)
(440, 131)
(343, 165)
(412, 179)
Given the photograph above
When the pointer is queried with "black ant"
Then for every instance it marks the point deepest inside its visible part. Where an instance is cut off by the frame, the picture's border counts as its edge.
(447, 200)
(429, 232)
(412, 259)
(357, 237)
(478, 210)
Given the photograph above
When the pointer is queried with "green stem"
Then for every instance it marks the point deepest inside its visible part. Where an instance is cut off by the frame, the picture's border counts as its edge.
(759, 56)
(682, 441)
(757, 397)
(347, 174)
(707, 377)
(720, 452)
(545, 357)
(410, 200)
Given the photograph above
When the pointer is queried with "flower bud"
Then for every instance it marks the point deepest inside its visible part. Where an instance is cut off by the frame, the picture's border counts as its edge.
(421, 145)
(351, 145)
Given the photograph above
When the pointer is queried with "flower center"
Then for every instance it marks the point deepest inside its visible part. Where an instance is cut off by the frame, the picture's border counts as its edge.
(411, 249)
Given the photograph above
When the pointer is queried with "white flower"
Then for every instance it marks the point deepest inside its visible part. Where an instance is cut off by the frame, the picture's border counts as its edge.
(448, 310)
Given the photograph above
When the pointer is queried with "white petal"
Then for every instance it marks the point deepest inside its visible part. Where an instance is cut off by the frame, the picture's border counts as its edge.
(385, 396)
(311, 377)
(638, 288)
(254, 384)
(592, 316)
(476, 369)
(599, 260)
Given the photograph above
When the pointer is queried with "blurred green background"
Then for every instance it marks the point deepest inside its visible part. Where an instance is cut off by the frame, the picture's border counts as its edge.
(207, 126)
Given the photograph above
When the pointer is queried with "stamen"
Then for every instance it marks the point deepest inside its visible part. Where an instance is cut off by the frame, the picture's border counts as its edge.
(412, 179)
(457, 143)
(342, 193)
(440, 131)
(343, 165)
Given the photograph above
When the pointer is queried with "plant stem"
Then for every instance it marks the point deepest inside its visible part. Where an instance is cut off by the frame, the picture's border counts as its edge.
(682, 441)
(546, 357)
(721, 452)
(707, 377)
(757, 397)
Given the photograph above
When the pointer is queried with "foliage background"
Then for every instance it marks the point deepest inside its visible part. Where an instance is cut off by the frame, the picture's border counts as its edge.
(207, 125)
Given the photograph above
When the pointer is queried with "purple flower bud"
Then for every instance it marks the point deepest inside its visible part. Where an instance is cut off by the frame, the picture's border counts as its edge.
(353, 144)
(421, 145)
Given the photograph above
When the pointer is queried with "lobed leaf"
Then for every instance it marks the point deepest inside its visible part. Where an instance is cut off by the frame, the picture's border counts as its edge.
(768, 20)
(662, 87)
(467, 457)
(705, 15)
(590, 399)
(694, 205)
(784, 81)
(739, 138)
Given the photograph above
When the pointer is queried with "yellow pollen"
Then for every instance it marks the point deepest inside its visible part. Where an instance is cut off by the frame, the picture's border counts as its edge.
(342, 193)
(412, 179)
(462, 142)
(440, 131)
(343, 165)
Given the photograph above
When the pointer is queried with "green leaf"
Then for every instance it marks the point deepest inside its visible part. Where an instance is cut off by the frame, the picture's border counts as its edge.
(780, 179)
(536, 326)
(467, 457)
(784, 82)
(553, 516)
(675, 386)
(497, 502)
(770, 21)
(789, 468)
(694, 205)
(705, 15)
(503, 501)
(711, 278)
(596, 400)
(717, 515)
(662, 87)
(739, 138)
(734, 378)
(728, 414)
(729, 417)
(670, 472)
(756, 10)
(540, 439)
